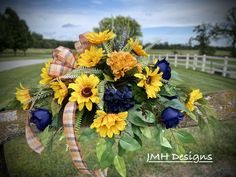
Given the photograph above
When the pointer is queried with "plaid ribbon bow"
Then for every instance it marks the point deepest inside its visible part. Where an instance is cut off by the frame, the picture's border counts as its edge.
(63, 62)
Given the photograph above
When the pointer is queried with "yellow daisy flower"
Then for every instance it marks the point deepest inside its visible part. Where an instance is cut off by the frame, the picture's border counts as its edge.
(23, 95)
(85, 91)
(60, 90)
(121, 62)
(91, 57)
(151, 82)
(193, 96)
(137, 47)
(44, 74)
(109, 124)
(99, 38)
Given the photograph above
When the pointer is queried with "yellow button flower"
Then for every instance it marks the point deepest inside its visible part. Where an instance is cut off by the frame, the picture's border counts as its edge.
(23, 95)
(44, 74)
(85, 91)
(193, 96)
(99, 38)
(151, 82)
(108, 124)
(91, 57)
(60, 90)
(121, 62)
(137, 47)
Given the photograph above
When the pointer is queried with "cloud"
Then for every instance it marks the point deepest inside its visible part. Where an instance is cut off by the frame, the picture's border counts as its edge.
(69, 25)
(97, 2)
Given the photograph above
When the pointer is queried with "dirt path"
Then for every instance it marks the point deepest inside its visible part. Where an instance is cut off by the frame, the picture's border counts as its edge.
(6, 65)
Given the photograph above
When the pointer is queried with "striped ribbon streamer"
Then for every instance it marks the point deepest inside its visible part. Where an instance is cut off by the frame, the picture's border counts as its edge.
(69, 130)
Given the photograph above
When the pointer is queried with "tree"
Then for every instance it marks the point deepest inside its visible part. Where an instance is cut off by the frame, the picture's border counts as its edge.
(123, 27)
(227, 29)
(18, 34)
(203, 36)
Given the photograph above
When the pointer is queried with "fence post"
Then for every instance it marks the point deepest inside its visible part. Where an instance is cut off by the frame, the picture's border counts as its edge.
(176, 57)
(167, 57)
(159, 57)
(203, 63)
(225, 66)
(194, 62)
(187, 61)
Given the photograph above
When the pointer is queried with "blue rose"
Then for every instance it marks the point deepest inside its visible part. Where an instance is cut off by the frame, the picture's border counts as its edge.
(164, 68)
(118, 100)
(41, 118)
(171, 117)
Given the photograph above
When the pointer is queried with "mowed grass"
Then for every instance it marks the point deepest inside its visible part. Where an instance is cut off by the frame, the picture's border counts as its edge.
(29, 76)
(8, 55)
(22, 162)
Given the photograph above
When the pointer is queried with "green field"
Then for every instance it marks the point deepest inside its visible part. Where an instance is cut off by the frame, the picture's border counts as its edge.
(22, 162)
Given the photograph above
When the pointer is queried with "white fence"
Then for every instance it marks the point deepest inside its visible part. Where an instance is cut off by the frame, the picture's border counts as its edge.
(215, 65)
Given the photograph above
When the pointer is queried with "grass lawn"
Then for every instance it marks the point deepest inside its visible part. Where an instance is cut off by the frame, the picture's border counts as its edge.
(8, 55)
(30, 75)
(22, 162)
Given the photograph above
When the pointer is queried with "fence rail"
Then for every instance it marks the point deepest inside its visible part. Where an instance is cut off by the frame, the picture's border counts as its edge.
(211, 64)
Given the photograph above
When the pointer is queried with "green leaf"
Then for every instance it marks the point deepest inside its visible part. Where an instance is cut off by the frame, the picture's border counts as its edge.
(119, 164)
(175, 75)
(100, 148)
(135, 117)
(137, 131)
(192, 116)
(108, 78)
(180, 149)
(129, 143)
(107, 156)
(146, 132)
(55, 107)
(175, 103)
(185, 137)
(165, 142)
(149, 117)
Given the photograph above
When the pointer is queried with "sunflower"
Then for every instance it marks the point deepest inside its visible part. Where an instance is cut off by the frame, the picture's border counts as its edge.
(121, 62)
(99, 38)
(85, 91)
(193, 96)
(137, 47)
(44, 74)
(60, 90)
(109, 124)
(151, 82)
(23, 95)
(91, 57)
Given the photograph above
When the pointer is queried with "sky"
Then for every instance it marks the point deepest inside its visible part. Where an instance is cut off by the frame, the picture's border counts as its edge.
(160, 20)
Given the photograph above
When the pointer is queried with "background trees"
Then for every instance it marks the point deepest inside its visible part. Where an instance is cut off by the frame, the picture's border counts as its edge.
(227, 29)
(123, 27)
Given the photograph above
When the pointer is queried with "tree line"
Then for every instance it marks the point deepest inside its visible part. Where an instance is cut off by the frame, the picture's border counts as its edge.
(15, 35)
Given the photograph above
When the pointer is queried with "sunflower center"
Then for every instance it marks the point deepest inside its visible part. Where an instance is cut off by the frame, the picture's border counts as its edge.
(149, 80)
(86, 92)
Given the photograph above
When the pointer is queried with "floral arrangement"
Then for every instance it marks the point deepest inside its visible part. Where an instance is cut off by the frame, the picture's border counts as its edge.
(115, 91)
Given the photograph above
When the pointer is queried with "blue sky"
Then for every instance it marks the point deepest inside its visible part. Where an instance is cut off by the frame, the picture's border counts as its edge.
(161, 20)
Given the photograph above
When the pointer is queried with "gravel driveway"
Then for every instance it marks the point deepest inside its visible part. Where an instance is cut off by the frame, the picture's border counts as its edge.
(6, 65)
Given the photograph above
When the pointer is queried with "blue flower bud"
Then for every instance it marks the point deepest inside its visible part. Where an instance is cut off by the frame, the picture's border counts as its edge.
(171, 117)
(41, 118)
(164, 68)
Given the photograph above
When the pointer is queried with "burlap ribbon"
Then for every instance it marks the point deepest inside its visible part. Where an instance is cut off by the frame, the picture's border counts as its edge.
(63, 62)
(82, 44)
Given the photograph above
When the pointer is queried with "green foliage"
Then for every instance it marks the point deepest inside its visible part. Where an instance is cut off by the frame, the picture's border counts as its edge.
(160, 137)
(108, 155)
(135, 117)
(86, 134)
(129, 143)
(185, 137)
(83, 70)
(119, 164)
(123, 27)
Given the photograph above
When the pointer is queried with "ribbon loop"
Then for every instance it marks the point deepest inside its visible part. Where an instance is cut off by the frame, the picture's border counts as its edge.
(82, 44)
(63, 62)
